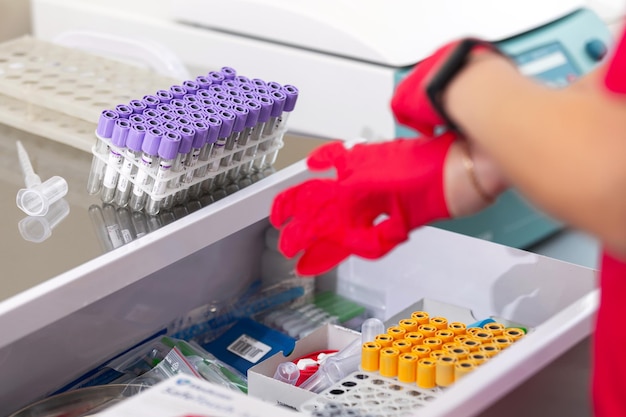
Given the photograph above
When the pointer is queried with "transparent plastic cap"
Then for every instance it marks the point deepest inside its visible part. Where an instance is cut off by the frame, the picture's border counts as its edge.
(37, 200)
(39, 228)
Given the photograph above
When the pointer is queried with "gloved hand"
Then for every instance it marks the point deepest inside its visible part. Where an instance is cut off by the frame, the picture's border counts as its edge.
(411, 103)
(329, 219)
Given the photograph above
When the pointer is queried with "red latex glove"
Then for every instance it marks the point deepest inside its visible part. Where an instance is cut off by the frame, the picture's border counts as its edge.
(410, 103)
(329, 219)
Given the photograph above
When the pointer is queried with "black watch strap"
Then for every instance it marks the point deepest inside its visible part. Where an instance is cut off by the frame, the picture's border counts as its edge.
(455, 61)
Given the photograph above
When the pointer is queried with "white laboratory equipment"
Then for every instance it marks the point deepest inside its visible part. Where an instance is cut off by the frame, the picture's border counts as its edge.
(88, 303)
(347, 58)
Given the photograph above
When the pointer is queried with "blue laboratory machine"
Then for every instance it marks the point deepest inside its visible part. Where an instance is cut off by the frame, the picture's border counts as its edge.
(348, 56)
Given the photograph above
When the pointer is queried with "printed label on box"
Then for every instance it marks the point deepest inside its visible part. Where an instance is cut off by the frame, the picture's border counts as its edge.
(248, 348)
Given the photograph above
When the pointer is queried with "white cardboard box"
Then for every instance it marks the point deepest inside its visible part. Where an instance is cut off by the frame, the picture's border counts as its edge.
(261, 383)
(183, 395)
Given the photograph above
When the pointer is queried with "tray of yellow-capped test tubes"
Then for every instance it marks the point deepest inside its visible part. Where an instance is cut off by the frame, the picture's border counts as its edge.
(415, 361)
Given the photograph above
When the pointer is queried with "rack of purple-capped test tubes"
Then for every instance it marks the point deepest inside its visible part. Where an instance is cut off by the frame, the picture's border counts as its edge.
(182, 142)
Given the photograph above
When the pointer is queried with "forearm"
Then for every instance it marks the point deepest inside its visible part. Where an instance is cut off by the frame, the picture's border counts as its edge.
(564, 149)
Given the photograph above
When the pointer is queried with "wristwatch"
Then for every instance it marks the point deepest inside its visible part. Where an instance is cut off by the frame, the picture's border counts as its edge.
(455, 61)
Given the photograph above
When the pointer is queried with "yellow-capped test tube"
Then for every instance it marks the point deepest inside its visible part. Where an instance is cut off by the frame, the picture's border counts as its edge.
(514, 333)
(471, 344)
(407, 367)
(388, 365)
(403, 345)
(489, 349)
(495, 328)
(409, 324)
(439, 322)
(421, 351)
(444, 374)
(463, 367)
(416, 338)
(427, 330)
(421, 317)
(484, 336)
(460, 352)
(434, 343)
(457, 327)
(370, 356)
(502, 342)
(396, 332)
(384, 339)
(446, 335)
(435, 354)
(477, 357)
(459, 338)
(426, 371)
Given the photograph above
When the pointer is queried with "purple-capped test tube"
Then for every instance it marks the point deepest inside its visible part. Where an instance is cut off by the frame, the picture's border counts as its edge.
(258, 149)
(187, 134)
(132, 155)
(151, 101)
(124, 111)
(241, 166)
(277, 110)
(147, 168)
(137, 119)
(217, 77)
(106, 122)
(168, 151)
(203, 82)
(242, 79)
(215, 125)
(165, 96)
(228, 120)
(229, 73)
(191, 86)
(178, 91)
(115, 159)
(239, 124)
(137, 106)
(202, 131)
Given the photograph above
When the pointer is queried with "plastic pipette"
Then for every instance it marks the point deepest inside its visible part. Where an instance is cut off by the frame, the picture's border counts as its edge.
(30, 178)
(37, 197)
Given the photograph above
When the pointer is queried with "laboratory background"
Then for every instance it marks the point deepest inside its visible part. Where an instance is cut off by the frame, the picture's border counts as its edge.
(142, 144)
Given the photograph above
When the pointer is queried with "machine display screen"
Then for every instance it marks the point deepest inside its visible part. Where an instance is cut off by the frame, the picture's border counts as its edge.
(548, 63)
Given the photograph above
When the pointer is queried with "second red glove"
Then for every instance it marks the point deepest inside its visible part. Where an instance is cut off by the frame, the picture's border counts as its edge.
(382, 192)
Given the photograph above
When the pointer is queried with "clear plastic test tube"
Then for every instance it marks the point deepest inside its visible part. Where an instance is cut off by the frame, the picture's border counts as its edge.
(291, 96)
(228, 119)
(168, 150)
(264, 116)
(239, 124)
(241, 168)
(115, 159)
(132, 157)
(202, 131)
(112, 226)
(104, 129)
(215, 126)
(277, 110)
(147, 167)
(198, 143)
(184, 151)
